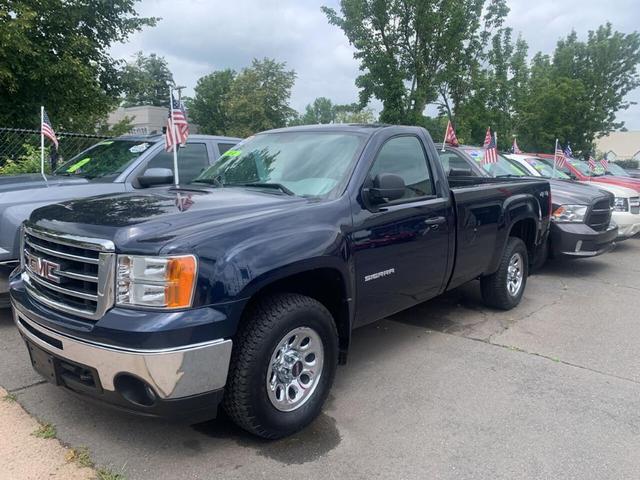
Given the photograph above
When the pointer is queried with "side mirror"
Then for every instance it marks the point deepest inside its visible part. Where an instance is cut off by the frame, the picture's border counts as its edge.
(387, 187)
(460, 172)
(156, 176)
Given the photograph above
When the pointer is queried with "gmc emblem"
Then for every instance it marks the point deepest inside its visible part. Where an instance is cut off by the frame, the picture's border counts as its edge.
(43, 267)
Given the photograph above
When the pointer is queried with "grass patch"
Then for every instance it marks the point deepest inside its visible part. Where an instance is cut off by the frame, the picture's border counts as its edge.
(80, 456)
(106, 474)
(46, 430)
(9, 397)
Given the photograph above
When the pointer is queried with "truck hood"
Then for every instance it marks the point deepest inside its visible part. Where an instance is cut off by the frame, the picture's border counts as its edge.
(626, 182)
(147, 221)
(568, 192)
(14, 183)
(616, 190)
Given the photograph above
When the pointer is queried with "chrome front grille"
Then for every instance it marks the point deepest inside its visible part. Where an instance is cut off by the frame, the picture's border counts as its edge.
(69, 273)
(634, 205)
(600, 215)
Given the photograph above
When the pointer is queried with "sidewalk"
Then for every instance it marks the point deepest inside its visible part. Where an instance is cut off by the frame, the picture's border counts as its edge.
(25, 456)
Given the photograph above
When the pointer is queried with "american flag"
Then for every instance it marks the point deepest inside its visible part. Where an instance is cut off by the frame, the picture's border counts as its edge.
(450, 136)
(47, 129)
(567, 151)
(490, 149)
(515, 149)
(559, 158)
(181, 132)
(592, 163)
(605, 163)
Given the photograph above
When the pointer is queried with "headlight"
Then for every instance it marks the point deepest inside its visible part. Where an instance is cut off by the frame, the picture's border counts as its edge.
(162, 282)
(570, 213)
(621, 205)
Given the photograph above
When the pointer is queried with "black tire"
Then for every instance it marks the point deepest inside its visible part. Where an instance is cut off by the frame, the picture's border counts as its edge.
(495, 292)
(246, 400)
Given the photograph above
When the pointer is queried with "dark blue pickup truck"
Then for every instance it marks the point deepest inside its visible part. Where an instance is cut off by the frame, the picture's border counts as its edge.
(244, 286)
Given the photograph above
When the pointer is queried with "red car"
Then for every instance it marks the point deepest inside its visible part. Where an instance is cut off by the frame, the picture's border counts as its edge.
(579, 170)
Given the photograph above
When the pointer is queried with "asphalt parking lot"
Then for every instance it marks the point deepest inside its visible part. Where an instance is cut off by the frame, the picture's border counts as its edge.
(448, 389)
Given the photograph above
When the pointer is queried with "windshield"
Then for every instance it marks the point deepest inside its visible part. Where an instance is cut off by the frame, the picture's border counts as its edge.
(617, 170)
(502, 168)
(583, 168)
(315, 164)
(546, 170)
(105, 159)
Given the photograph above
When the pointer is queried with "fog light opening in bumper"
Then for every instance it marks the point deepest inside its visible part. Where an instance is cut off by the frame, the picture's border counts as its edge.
(134, 390)
(578, 246)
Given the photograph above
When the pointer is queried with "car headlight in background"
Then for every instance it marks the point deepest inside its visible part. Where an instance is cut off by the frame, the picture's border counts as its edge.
(570, 213)
(621, 205)
(161, 282)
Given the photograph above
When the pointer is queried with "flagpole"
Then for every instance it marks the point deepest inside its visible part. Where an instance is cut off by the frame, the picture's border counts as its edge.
(176, 176)
(42, 144)
(445, 135)
(555, 153)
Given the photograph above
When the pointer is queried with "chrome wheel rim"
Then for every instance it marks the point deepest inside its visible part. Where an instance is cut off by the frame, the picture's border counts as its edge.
(295, 369)
(515, 274)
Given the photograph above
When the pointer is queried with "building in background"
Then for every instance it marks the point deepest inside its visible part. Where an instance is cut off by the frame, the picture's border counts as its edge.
(145, 119)
(619, 146)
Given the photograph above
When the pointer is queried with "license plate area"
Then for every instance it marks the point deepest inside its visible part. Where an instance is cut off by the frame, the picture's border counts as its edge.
(63, 372)
(44, 363)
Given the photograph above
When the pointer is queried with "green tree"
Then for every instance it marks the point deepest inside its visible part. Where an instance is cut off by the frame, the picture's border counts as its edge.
(259, 98)
(146, 81)
(413, 52)
(208, 108)
(56, 53)
(352, 113)
(575, 94)
(321, 110)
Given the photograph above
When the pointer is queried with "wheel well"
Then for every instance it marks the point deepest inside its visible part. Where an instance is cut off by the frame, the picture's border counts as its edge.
(325, 285)
(525, 230)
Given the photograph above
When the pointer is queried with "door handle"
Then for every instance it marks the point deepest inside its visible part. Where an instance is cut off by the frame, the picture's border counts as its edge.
(435, 221)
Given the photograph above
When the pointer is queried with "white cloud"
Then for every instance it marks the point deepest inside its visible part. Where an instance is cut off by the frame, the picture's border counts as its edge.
(199, 36)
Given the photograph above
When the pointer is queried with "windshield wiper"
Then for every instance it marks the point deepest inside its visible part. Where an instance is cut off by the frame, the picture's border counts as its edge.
(509, 175)
(277, 186)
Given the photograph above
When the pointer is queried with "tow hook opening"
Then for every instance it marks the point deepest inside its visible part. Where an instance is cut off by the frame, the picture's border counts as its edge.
(135, 390)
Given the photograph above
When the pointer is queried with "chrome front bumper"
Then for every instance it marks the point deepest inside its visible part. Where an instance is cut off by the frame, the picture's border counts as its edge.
(172, 373)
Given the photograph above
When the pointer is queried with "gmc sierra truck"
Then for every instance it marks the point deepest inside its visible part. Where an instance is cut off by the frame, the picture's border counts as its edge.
(244, 287)
(122, 164)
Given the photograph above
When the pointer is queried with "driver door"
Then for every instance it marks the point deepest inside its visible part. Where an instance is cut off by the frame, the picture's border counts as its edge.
(401, 247)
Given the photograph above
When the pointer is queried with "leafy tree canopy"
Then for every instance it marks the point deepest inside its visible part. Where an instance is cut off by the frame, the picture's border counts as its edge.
(55, 53)
(259, 98)
(146, 81)
(208, 107)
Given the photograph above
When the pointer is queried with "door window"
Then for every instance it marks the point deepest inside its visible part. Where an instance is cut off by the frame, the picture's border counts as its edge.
(405, 157)
(192, 161)
(451, 160)
(223, 147)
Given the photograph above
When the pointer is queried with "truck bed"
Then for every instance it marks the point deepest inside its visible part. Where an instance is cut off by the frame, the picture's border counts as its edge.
(480, 203)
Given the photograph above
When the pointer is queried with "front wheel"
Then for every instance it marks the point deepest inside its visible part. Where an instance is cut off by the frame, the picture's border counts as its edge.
(504, 288)
(283, 365)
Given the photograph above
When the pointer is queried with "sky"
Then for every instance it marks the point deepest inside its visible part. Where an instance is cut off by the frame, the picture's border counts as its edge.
(200, 36)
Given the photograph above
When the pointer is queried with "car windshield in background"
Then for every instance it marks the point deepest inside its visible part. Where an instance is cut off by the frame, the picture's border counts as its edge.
(583, 168)
(502, 168)
(616, 170)
(106, 159)
(314, 164)
(546, 170)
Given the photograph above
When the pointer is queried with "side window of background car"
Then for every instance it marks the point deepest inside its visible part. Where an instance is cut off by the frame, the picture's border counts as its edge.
(223, 147)
(405, 157)
(192, 161)
(451, 160)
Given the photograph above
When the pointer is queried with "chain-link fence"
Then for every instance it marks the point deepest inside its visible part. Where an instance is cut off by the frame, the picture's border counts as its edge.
(16, 142)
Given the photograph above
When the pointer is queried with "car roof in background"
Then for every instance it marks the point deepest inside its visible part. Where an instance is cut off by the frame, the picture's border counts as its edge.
(155, 137)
